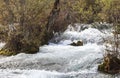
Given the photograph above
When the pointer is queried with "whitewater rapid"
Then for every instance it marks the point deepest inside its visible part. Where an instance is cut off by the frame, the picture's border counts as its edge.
(59, 59)
(53, 61)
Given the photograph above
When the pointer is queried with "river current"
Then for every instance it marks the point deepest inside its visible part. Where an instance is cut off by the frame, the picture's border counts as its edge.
(59, 59)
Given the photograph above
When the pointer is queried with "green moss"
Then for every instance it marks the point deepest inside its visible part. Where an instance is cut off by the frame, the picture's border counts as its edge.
(101, 67)
(7, 53)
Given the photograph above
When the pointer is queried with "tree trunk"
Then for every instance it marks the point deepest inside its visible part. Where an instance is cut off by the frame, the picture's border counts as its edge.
(53, 16)
(22, 5)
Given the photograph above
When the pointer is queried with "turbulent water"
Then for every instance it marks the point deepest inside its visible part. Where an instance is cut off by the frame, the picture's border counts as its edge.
(59, 59)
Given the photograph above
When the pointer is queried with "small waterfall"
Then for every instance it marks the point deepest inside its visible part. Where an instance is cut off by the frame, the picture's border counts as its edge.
(80, 32)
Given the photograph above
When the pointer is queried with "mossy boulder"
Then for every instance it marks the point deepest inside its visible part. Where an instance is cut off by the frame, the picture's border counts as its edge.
(78, 43)
(27, 41)
(7, 53)
(29, 49)
(110, 65)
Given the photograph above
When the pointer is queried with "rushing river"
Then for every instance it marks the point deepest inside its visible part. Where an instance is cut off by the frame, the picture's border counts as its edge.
(59, 59)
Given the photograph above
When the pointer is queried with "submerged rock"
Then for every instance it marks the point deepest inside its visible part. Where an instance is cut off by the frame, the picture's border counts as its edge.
(79, 43)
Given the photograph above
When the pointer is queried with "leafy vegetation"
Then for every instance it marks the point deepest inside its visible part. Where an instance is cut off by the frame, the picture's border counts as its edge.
(28, 24)
(25, 21)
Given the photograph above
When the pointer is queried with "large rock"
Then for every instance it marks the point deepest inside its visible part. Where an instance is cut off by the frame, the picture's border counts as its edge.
(78, 43)
(110, 65)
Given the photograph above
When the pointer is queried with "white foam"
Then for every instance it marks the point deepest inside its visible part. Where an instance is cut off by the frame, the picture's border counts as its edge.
(90, 35)
(2, 45)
